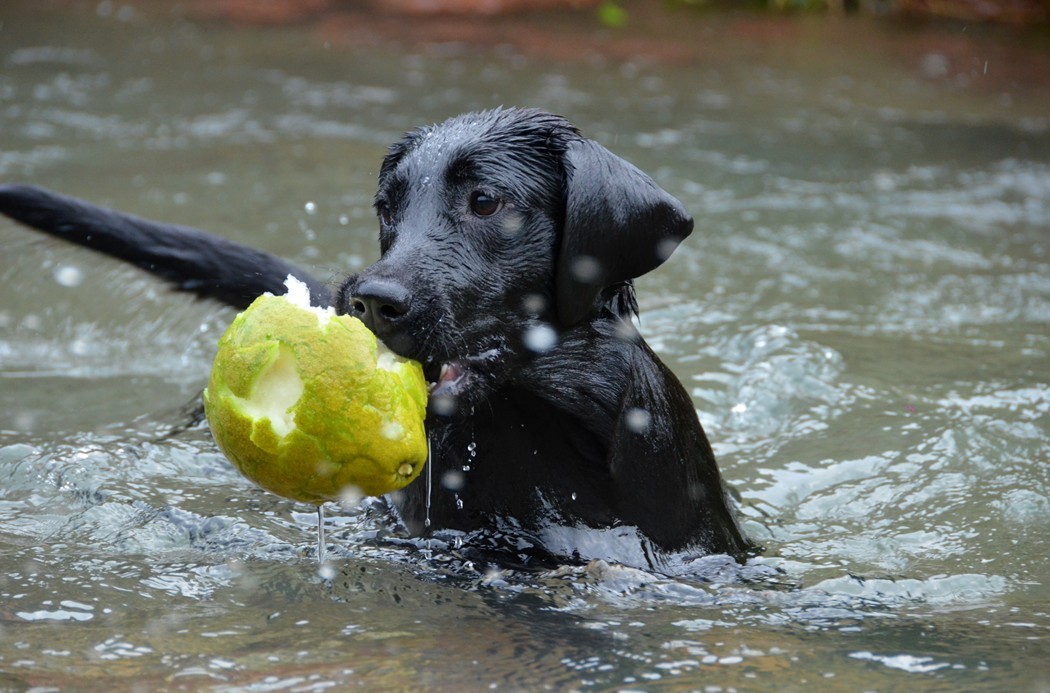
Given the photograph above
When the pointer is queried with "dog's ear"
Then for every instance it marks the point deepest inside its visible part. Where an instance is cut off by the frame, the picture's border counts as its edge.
(619, 224)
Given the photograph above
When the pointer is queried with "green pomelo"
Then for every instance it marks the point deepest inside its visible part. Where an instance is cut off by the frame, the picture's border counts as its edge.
(310, 406)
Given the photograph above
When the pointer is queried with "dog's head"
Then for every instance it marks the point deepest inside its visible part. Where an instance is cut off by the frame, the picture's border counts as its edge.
(499, 230)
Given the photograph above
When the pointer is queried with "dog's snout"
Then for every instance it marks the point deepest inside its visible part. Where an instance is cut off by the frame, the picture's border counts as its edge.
(379, 303)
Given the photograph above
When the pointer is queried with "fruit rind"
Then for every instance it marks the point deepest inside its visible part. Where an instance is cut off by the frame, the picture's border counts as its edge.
(355, 426)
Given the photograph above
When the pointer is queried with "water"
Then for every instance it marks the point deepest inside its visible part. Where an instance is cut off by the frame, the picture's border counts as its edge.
(861, 318)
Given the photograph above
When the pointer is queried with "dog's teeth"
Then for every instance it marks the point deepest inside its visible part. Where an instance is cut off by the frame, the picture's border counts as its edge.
(443, 375)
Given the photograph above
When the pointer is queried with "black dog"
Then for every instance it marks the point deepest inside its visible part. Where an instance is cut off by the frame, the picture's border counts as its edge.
(509, 243)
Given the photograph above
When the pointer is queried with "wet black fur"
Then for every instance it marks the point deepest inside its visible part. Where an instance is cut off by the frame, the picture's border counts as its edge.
(591, 431)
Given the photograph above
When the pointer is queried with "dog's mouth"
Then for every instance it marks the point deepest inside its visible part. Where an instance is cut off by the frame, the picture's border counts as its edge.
(456, 385)
(447, 376)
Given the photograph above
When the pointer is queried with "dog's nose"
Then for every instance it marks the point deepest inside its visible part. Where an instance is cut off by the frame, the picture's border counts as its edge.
(380, 304)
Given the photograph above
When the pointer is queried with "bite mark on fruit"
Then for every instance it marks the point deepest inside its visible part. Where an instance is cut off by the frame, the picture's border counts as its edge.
(275, 393)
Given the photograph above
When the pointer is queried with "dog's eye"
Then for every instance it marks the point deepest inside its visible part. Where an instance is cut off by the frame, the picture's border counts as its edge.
(484, 205)
(385, 215)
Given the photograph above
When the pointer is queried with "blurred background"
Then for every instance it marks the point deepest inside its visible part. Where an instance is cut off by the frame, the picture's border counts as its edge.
(861, 318)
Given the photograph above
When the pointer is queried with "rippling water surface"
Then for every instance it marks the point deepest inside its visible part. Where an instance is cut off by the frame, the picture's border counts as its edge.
(862, 319)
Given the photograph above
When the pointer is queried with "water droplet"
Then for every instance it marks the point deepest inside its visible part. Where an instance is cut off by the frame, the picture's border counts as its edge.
(459, 503)
(472, 446)
(512, 224)
(350, 497)
(534, 304)
(453, 480)
(665, 247)
(69, 276)
(392, 430)
(637, 420)
(573, 496)
(25, 420)
(935, 65)
(326, 571)
(80, 347)
(586, 269)
(626, 331)
(540, 338)
(884, 181)
(343, 220)
(739, 408)
(405, 469)
(32, 322)
(310, 207)
(443, 405)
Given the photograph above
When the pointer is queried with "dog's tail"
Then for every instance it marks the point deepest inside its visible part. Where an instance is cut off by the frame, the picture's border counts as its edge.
(192, 260)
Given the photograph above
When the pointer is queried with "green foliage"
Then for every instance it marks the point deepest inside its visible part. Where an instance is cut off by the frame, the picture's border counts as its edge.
(613, 15)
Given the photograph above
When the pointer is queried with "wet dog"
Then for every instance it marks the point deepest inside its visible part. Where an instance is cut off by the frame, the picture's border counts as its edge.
(509, 243)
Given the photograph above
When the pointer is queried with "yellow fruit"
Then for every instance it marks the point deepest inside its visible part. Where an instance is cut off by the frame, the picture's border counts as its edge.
(308, 405)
